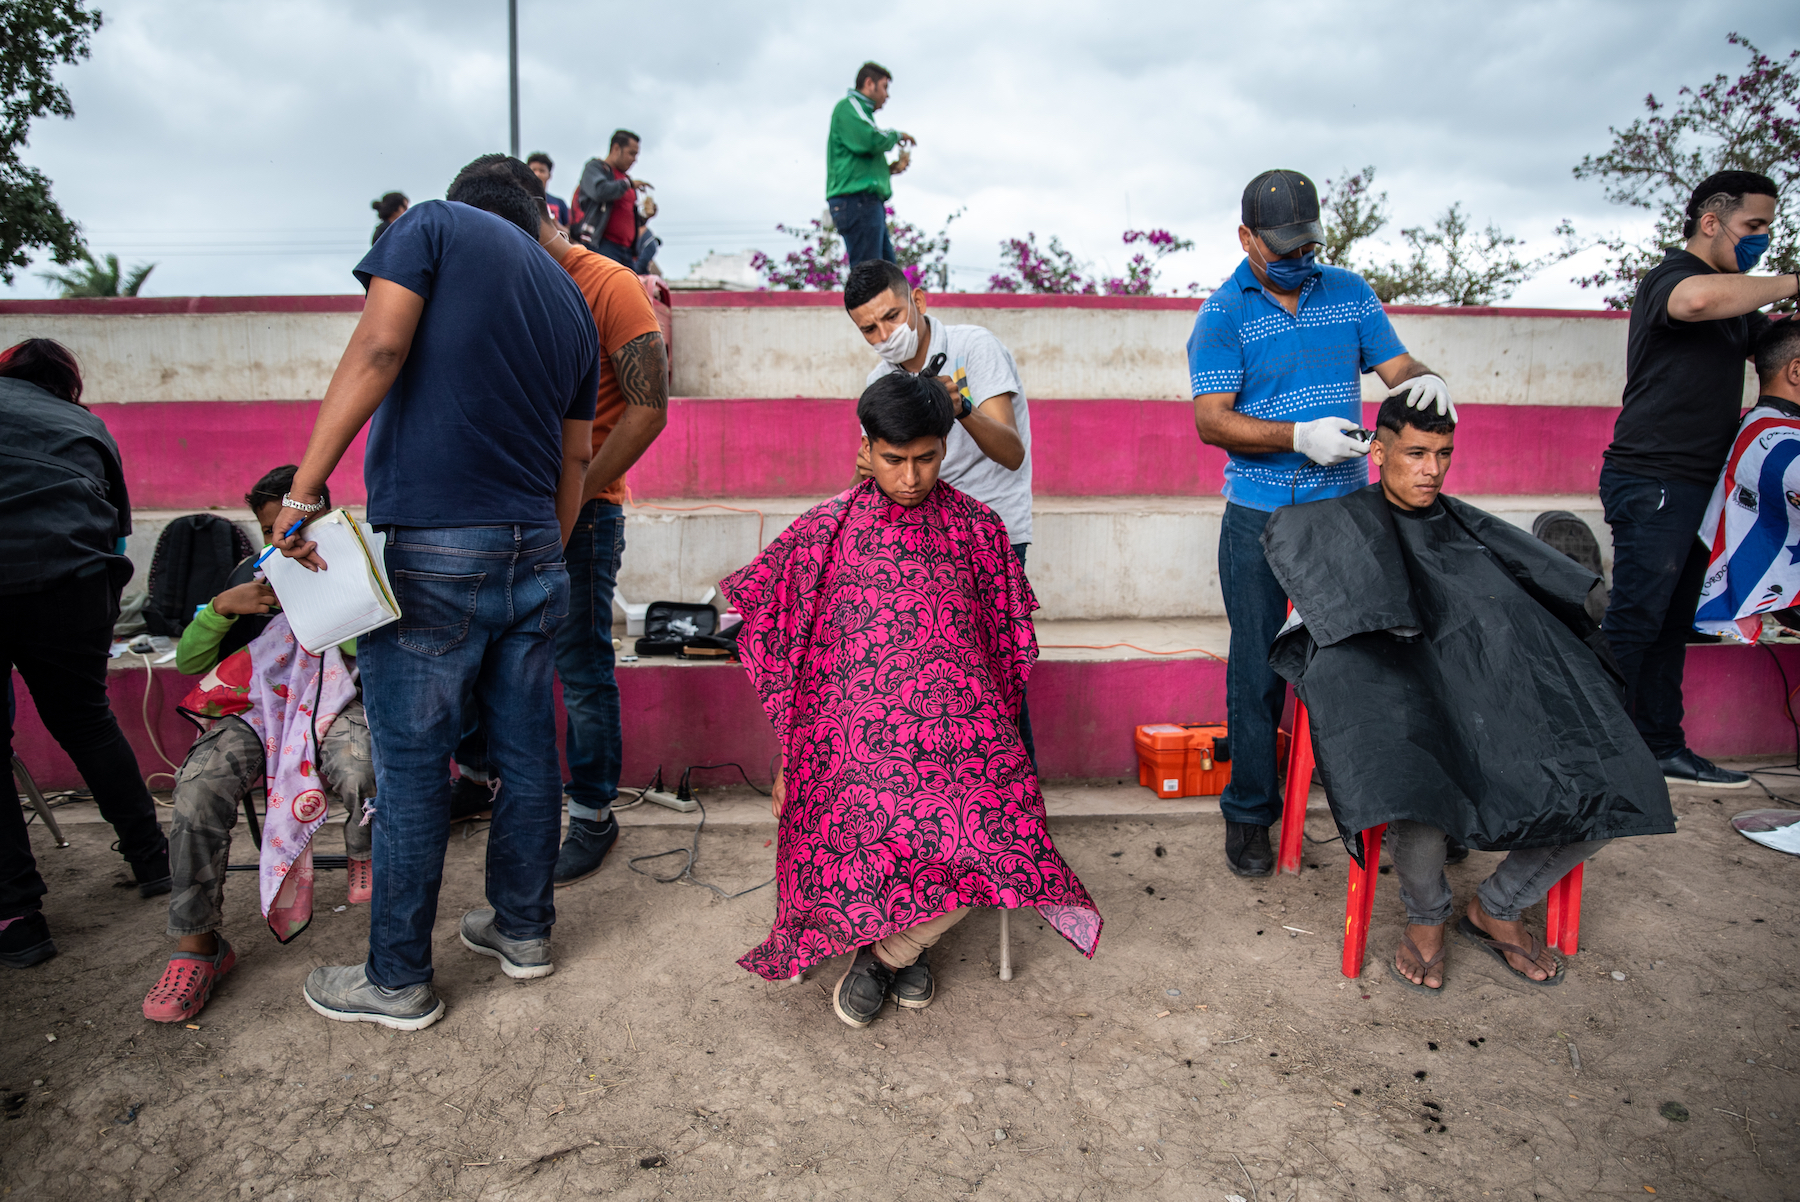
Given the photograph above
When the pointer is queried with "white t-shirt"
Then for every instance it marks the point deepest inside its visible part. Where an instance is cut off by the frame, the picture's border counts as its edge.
(976, 355)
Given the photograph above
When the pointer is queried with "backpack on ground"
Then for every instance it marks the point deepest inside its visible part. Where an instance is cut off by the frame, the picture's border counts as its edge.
(193, 558)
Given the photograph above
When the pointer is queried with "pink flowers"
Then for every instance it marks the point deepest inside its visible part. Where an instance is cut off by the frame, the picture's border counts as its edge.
(1054, 269)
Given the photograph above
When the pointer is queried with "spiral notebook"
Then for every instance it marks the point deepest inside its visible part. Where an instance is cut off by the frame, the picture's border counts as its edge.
(351, 596)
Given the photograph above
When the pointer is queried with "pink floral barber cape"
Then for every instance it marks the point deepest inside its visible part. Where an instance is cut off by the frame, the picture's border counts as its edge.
(890, 648)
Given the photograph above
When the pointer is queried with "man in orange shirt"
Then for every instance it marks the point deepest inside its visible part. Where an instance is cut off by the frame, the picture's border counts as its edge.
(632, 409)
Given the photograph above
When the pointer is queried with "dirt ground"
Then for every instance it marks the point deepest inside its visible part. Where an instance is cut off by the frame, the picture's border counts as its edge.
(1210, 1050)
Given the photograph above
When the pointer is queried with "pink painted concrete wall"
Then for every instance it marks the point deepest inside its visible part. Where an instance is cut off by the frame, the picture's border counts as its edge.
(1083, 714)
(193, 454)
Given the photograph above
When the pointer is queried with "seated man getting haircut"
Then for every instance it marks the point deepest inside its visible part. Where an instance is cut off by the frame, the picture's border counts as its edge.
(888, 634)
(230, 760)
(1752, 525)
(1458, 688)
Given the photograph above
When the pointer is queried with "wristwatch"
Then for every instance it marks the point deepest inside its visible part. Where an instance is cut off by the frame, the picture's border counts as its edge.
(968, 406)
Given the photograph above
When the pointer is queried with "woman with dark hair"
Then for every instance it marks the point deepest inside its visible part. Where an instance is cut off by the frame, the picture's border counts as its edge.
(64, 516)
(387, 211)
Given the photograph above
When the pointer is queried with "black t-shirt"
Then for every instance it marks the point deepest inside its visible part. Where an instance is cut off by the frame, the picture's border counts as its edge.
(1684, 382)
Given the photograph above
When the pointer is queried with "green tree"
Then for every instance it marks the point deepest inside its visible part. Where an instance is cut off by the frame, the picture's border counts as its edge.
(1353, 211)
(1751, 123)
(89, 278)
(1450, 263)
(35, 36)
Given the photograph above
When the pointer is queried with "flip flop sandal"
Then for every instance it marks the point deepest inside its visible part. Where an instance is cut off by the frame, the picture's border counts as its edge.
(1497, 948)
(1416, 986)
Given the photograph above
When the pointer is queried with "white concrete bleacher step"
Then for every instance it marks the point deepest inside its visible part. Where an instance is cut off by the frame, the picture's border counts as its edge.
(1091, 559)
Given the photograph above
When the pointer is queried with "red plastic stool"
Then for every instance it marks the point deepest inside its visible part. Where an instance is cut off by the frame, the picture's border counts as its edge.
(1299, 784)
(1562, 925)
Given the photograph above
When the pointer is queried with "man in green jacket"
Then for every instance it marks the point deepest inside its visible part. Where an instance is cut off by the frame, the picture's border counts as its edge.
(857, 172)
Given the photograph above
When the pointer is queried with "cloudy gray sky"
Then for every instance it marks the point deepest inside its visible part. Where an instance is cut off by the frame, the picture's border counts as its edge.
(238, 144)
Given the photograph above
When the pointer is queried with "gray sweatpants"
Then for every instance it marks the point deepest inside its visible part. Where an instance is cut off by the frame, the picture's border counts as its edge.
(1519, 881)
(221, 768)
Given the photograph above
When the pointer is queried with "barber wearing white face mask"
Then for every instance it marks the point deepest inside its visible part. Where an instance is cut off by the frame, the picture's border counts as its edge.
(1275, 359)
(988, 453)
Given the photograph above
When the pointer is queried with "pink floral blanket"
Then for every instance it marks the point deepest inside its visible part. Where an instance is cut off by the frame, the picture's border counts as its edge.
(285, 685)
(890, 648)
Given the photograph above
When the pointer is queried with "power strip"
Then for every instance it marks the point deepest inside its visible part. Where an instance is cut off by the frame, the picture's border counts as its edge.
(670, 801)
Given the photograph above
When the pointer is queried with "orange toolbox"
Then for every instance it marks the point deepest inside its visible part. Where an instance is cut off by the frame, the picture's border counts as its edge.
(1184, 759)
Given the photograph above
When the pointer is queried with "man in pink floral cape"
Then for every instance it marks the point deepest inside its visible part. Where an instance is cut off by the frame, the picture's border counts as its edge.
(888, 635)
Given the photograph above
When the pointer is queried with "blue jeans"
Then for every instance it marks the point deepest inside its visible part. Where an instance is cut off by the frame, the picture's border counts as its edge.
(1517, 883)
(481, 606)
(638, 257)
(1254, 695)
(584, 660)
(861, 218)
(1659, 564)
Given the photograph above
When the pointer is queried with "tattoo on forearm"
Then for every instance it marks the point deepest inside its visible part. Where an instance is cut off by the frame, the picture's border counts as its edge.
(643, 369)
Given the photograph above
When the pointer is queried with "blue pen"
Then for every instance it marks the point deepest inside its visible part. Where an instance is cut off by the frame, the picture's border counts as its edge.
(268, 551)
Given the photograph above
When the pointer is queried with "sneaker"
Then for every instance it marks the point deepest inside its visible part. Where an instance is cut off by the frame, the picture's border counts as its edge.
(1686, 768)
(152, 875)
(1247, 850)
(583, 849)
(862, 989)
(913, 987)
(472, 799)
(345, 993)
(26, 941)
(362, 879)
(187, 984)
(520, 959)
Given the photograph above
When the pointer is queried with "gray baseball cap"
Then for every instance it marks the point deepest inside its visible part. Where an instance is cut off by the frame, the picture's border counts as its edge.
(1283, 208)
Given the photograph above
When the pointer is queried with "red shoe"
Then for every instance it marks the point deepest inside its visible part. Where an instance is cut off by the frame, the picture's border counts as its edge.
(187, 984)
(362, 880)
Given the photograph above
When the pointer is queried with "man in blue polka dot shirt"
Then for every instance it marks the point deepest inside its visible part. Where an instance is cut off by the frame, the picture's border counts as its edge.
(1276, 358)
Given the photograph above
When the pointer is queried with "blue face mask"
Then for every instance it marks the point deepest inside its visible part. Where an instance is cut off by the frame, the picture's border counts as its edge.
(1750, 249)
(1289, 274)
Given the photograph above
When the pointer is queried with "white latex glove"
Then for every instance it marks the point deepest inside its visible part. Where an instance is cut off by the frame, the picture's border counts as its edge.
(1323, 441)
(1422, 392)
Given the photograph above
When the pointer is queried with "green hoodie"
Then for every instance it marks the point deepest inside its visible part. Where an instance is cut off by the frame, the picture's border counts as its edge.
(856, 149)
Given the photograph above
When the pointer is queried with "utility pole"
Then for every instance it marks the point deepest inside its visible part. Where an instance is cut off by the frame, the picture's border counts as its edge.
(512, 62)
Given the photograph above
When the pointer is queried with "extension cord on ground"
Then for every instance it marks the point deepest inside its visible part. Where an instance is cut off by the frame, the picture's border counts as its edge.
(670, 801)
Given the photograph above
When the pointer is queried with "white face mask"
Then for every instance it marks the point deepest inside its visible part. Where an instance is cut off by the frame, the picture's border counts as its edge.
(899, 346)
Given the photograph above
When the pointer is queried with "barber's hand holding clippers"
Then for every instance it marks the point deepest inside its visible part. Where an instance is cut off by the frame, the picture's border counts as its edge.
(1424, 392)
(1328, 441)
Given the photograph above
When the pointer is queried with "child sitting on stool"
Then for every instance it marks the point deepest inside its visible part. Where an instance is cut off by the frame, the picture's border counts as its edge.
(225, 764)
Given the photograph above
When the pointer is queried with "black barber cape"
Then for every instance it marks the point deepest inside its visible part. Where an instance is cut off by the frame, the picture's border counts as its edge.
(1453, 677)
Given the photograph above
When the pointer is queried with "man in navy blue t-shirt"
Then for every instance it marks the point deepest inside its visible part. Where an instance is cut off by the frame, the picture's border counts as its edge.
(477, 359)
(1275, 361)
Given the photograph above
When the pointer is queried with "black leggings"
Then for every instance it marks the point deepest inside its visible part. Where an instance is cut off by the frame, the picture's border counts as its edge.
(58, 640)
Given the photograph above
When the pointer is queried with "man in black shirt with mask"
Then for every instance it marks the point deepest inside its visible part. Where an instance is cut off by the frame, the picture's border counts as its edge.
(1694, 322)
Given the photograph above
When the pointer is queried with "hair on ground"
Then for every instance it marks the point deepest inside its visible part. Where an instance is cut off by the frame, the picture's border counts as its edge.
(48, 364)
(1778, 347)
(1396, 415)
(276, 483)
(900, 408)
(870, 278)
(1723, 193)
